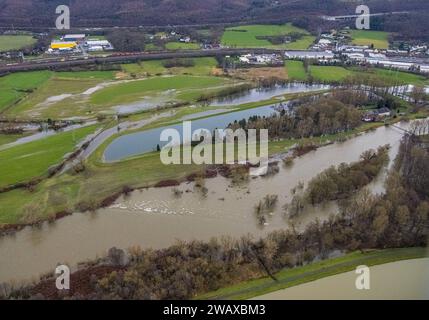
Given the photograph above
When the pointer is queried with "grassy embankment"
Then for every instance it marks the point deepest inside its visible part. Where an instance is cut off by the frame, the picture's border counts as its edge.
(292, 277)
(15, 42)
(379, 39)
(250, 37)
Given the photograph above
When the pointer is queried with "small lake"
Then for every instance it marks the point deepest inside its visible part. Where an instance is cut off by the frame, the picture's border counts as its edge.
(138, 143)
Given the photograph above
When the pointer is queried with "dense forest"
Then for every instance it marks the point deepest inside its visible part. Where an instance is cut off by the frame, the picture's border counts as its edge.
(324, 116)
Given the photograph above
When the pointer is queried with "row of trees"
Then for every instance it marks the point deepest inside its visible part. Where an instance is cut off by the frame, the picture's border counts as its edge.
(325, 116)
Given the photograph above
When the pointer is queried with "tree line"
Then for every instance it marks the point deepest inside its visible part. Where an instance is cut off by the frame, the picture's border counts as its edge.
(317, 118)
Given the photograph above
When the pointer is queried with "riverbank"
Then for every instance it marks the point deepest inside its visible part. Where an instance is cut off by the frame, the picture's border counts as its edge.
(292, 277)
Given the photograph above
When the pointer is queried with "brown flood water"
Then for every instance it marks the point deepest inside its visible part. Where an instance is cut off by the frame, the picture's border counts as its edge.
(399, 280)
(156, 218)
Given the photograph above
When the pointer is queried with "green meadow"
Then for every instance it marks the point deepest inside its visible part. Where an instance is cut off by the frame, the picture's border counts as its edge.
(187, 88)
(201, 66)
(295, 70)
(16, 86)
(181, 46)
(329, 73)
(24, 162)
(15, 42)
(250, 36)
(379, 39)
(336, 74)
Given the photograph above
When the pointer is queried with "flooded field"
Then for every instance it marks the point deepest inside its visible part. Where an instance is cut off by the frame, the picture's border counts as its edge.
(156, 218)
(260, 94)
(407, 279)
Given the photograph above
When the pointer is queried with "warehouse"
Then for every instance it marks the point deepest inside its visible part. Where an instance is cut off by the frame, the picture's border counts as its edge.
(74, 37)
(98, 45)
(62, 46)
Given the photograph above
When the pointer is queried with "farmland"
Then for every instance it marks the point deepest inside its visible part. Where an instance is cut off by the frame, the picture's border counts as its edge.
(253, 36)
(200, 66)
(329, 73)
(15, 42)
(367, 38)
(189, 88)
(295, 70)
(181, 46)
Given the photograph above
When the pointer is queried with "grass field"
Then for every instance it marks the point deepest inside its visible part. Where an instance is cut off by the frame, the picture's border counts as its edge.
(295, 70)
(187, 88)
(367, 38)
(292, 277)
(15, 86)
(30, 160)
(8, 138)
(181, 46)
(15, 42)
(202, 66)
(329, 73)
(248, 36)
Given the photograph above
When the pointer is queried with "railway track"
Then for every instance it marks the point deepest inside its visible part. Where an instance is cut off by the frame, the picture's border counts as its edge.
(122, 58)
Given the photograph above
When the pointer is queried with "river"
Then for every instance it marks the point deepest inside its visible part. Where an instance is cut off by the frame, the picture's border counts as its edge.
(156, 218)
(399, 280)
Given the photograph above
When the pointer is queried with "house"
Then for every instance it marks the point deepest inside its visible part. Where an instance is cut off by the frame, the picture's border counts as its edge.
(377, 115)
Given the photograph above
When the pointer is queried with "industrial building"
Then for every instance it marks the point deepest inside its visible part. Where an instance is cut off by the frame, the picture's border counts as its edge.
(98, 45)
(74, 38)
(62, 46)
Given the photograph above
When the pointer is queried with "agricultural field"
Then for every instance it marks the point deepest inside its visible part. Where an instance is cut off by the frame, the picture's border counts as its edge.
(201, 66)
(379, 39)
(60, 94)
(24, 162)
(63, 95)
(250, 37)
(181, 46)
(8, 43)
(16, 86)
(329, 73)
(295, 70)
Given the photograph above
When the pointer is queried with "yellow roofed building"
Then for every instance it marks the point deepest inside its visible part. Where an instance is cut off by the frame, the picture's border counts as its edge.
(63, 45)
